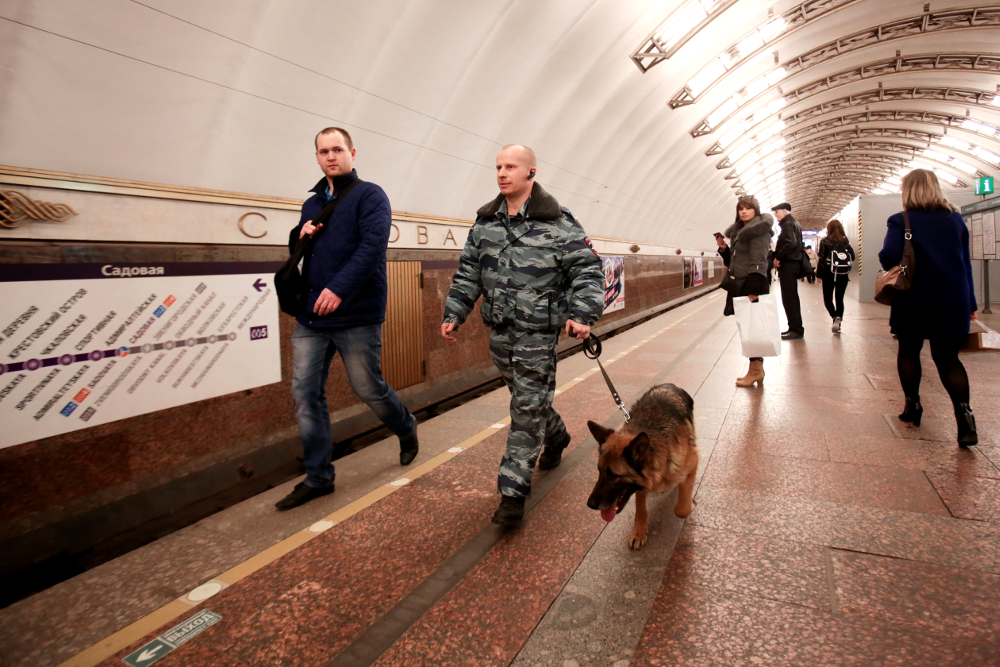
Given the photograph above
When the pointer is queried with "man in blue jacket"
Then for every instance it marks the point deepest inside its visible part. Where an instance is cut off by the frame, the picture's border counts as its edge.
(344, 313)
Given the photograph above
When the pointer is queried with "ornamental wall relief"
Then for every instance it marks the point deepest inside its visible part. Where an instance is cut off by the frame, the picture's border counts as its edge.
(16, 209)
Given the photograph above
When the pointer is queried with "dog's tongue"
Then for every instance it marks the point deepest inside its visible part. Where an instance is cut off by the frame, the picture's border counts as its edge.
(609, 513)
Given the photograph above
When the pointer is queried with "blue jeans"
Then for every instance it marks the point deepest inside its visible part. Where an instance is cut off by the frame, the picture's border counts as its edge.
(313, 351)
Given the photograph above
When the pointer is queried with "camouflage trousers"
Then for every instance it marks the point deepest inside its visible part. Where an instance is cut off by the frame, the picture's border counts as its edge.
(527, 364)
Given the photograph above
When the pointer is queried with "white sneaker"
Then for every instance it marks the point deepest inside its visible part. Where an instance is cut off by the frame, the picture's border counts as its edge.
(836, 325)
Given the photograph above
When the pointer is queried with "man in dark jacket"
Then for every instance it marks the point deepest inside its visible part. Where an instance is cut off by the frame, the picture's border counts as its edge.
(534, 266)
(344, 312)
(788, 260)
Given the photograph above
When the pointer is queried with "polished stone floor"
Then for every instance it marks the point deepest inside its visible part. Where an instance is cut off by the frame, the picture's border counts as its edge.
(826, 532)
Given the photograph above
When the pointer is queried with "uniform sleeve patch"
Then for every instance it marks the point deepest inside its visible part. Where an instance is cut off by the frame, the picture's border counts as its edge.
(590, 245)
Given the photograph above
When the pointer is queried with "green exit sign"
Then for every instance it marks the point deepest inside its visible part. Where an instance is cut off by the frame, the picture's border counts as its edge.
(984, 186)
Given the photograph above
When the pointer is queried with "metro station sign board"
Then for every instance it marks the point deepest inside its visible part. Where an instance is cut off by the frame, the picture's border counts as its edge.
(984, 186)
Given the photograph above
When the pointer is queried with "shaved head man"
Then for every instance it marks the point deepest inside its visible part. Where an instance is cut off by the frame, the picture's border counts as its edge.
(538, 275)
(516, 167)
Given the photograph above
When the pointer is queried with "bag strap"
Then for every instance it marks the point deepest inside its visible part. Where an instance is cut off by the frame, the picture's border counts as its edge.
(906, 221)
(305, 243)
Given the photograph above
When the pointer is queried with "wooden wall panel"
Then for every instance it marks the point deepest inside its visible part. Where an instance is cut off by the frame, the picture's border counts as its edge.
(402, 333)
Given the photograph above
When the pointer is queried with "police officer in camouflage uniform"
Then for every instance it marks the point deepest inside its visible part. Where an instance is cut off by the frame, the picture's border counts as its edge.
(537, 274)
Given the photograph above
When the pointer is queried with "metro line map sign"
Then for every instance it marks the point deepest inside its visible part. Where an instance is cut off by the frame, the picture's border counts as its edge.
(88, 344)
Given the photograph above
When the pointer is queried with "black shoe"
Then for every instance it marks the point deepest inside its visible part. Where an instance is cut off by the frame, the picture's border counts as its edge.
(552, 454)
(793, 335)
(967, 436)
(408, 449)
(912, 412)
(510, 512)
(300, 495)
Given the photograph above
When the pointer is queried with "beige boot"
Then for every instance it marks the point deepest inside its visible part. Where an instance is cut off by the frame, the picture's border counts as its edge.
(755, 374)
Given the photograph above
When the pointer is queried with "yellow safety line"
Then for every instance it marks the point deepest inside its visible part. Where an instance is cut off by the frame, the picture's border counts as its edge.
(132, 633)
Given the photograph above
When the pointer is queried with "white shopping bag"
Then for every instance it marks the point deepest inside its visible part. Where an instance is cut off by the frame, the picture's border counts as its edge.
(758, 323)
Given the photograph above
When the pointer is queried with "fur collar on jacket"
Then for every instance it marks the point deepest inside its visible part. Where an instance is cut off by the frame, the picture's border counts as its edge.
(759, 226)
(542, 206)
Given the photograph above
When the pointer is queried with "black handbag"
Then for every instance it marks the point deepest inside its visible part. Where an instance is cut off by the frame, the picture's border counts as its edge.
(290, 283)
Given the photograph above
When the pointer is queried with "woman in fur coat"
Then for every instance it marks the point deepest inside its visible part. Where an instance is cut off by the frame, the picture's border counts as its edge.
(746, 256)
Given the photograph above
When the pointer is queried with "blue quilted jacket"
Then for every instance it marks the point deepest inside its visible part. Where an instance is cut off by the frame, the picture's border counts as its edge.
(349, 257)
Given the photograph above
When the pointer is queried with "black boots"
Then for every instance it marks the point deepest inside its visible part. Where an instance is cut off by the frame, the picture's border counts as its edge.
(967, 436)
(552, 454)
(510, 512)
(408, 449)
(912, 412)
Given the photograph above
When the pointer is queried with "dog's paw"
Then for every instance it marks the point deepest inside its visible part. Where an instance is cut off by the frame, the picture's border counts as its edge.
(684, 511)
(636, 539)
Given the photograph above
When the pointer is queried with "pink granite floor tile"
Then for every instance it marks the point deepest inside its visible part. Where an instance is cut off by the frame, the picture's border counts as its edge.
(969, 497)
(696, 626)
(897, 534)
(488, 617)
(910, 454)
(776, 443)
(773, 569)
(886, 488)
(923, 596)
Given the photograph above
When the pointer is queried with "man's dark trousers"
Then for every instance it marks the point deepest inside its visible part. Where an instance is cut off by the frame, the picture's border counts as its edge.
(788, 277)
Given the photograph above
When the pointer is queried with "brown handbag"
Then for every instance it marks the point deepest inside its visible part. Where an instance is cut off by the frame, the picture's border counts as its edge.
(890, 284)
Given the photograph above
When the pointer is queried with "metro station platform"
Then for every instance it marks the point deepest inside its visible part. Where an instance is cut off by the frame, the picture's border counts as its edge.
(826, 532)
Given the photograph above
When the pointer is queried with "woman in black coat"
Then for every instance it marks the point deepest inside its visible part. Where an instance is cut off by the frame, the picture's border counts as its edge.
(750, 237)
(941, 300)
(833, 267)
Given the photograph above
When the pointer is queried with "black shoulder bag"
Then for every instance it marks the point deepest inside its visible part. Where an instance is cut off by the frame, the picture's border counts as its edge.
(291, 284)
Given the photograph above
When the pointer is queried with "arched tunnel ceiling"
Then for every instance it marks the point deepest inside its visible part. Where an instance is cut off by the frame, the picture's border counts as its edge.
(813, 102)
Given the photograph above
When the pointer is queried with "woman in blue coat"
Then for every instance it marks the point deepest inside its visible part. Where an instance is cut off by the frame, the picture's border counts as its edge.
(941, 300)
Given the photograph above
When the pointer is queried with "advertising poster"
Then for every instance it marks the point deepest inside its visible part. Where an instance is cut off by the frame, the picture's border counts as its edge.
(693, 276)
(88, 344)
(614, 283)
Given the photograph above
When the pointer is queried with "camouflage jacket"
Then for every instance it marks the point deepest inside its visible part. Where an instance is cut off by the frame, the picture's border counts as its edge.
(534, 275)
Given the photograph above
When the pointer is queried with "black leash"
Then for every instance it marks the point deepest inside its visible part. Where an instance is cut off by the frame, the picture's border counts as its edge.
(592, 350)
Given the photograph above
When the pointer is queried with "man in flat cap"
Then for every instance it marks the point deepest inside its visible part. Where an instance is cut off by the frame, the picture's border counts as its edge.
(788, 260)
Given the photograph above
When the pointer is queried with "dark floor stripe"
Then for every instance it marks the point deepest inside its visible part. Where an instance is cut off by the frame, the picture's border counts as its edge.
(383, 633)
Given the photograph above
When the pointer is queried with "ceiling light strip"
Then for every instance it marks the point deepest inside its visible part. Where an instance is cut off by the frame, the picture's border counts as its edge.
(753, 43)
(676, 30)
(957, 19)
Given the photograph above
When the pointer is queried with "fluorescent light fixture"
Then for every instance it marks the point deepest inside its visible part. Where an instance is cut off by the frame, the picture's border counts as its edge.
(945, 176)
(987, 156)
(689, 15)
(775, 76)
(722, 112)
(963, 166)
(773, 29)
(706, 77)
(981, 128)
(740, 150)
(730, 136)
(955, 143)
(757, 86)
(751, 43)
(934, 155)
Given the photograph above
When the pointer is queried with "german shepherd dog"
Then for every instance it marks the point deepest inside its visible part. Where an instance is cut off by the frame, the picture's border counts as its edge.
(653, 452)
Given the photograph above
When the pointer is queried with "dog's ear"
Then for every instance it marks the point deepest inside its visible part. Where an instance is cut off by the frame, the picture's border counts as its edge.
(637, 452)
(600, 433)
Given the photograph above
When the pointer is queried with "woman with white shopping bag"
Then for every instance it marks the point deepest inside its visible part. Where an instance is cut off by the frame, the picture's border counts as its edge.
(746, 259)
